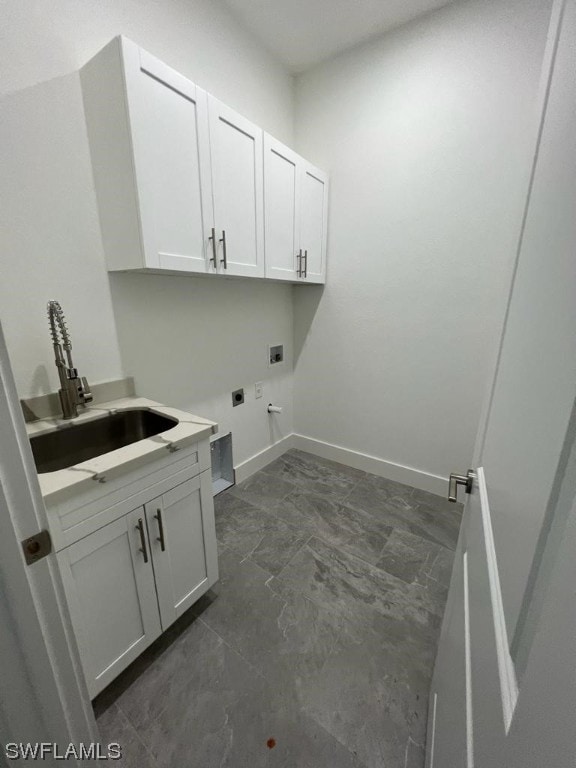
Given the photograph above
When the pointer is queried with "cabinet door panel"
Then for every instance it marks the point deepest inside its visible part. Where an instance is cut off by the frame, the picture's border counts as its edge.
(236, 152)
(187, 566)
(110, 591)
(169, 119)
(281, 209)
(313, 222)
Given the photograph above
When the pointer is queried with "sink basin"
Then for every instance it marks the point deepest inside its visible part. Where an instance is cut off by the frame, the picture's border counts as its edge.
(69, 446)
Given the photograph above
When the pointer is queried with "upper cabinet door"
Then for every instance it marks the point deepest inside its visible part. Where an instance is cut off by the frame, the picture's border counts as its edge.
(314, 223)
(169, 120)
(236, 151)
(282, 189)
(148, 132)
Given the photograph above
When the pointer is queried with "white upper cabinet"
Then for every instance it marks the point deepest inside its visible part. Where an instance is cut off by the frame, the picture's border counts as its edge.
(148, 132)
(186, 184)
(313, 223)
(295, 215)
(236, 150)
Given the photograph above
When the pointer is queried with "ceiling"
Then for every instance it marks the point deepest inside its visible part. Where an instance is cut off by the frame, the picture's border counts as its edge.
(303, 32)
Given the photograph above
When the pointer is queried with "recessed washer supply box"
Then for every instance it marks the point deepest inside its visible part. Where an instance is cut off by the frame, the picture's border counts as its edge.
(275, 354)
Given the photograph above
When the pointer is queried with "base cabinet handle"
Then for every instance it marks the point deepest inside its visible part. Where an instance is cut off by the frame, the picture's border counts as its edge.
(158, 517)
(143, 548)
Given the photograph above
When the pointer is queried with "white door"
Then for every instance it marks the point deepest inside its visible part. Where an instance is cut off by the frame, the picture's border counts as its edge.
(109, 582)
(183, 544)
(504, 692)
(313, 223)
(282, 190)
(43, 696)
(169, 121)
(237, 176)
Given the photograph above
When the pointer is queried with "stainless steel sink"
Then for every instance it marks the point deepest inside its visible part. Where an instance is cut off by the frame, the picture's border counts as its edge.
(80, 442)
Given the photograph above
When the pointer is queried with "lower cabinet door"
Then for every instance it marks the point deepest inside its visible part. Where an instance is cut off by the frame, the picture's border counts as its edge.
(109, 583)
(183, 544)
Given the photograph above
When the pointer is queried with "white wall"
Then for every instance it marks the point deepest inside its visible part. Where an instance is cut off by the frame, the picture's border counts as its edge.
(425, 133)
(428, 135)
(222, 328)
(199, 38)
(50, 244)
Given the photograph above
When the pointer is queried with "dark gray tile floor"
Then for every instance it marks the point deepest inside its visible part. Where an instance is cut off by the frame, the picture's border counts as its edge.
(316, 647)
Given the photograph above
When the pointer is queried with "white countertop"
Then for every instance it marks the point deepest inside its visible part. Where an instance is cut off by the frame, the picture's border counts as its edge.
(189, 429)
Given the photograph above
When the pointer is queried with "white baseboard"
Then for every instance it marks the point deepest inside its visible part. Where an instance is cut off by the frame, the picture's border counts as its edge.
(260, 460)
(388, 469)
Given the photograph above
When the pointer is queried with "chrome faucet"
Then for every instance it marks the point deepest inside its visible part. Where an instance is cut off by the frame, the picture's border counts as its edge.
(74, 390)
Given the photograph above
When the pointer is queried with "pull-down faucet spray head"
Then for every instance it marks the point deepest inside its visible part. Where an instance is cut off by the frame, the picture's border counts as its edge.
(74, 390)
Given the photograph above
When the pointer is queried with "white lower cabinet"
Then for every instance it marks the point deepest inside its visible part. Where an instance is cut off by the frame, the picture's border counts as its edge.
(112, 598)
(128, 581)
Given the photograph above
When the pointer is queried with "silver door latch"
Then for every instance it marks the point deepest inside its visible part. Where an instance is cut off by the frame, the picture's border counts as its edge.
(466, 480)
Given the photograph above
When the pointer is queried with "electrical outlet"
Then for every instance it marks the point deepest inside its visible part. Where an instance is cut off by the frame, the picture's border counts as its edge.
(258, 389)
(237, 397)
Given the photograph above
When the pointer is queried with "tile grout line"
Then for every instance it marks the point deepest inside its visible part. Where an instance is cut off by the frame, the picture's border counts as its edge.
(401, 583)
(302, 486)
(292, 558)
(231, 647)
(361, 763)
(318, 535)
(254, 548)
(340, 630)
(138, 736)
(265, 678)
(270, 682)
(351, 491)
(267, 475)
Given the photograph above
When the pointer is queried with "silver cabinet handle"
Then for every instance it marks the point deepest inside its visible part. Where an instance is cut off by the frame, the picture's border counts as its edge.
(299, 257)
(142, 549)
(223, 241)
(466, 480)
(212, 237)
(305, 264)
(158, 517)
